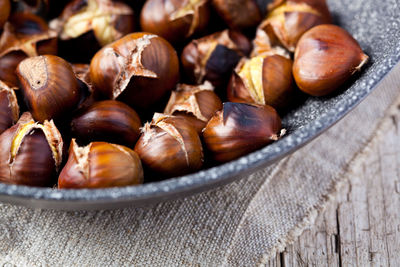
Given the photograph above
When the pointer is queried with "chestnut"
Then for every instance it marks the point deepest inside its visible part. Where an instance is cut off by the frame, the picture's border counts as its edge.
(239, 129)
(5, 8)
(100, 165)
(214, 57)
(49, 86)
(196, 103)
(175, 20)
(25, 35)
(240, 14)
(264, 80)
(288, 20)
(326, 56)
(31, 153)
(111, 121)
(9, 108)
(169, 146)
(91, 24)
(138, 69)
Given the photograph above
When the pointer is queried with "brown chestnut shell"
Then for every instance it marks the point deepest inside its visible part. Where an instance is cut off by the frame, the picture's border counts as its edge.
(100, 165)
(239, 129)
(326, 56)
(9, 108)
(5, 8)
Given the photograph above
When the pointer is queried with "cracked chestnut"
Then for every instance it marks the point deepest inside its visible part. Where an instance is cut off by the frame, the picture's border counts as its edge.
(169, 146)
(263, 80)
(49, 86)
(9, 108)
(31, 153)
(196, 103)
(138, 69)
(213, 57)
(239, 129)
(110, 121)
(326, 56)
(175, 20)
(100, 165)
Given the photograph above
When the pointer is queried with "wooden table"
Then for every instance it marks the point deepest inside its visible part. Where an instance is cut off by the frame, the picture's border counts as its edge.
(361, 226)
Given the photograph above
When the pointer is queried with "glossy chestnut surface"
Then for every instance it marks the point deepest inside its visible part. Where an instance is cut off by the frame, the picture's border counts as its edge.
(325, 58)
(110, 121)
(239, 129)
(175, 20)
(4, 11)
(138, 69)
(49, 86)
(9, 108)
(100, 165)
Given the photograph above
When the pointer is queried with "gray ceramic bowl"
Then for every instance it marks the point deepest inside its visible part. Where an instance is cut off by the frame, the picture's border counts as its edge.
(375, 24)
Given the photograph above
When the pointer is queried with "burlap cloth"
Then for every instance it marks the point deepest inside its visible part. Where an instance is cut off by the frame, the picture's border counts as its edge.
(242, 224)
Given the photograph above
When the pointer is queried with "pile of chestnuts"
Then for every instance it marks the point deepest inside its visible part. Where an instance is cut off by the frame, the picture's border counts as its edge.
(103, 93)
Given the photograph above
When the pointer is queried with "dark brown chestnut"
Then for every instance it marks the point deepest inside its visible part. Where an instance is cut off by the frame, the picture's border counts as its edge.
(110, 121)
(196, 103)
(9, 108)
(49, 86)
(100, 165)
(87, 25)
(326, 56)
(175, 20)
(5, 8)
(288, 20)
(264, 80)
(241, 14)
(214, 57)
(25, 35)
(31, 153)
(239, 129)
(169, 146)
(138, 69)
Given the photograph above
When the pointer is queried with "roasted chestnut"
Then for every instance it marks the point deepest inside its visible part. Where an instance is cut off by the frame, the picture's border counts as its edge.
(4, 11)
(25, 35)
(326, 56)
(87, 25)
(169, 146)
(288, 20)
(239, 129)
(111, 121)
(241, 14)
(49, 86)
(100, 165)
(31, 153)
(175, 20)
(195, 103)
(9, 108)
(214, 57)
(138, 69)
(264, 80)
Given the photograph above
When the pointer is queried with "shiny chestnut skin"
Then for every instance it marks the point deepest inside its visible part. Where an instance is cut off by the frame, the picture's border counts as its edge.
(288, 20)
(263, 80)
(110, 121)
(214, 57)
(175, 20)
(240, 14)
(169, 146)
(31, 153)
(326, 56)
(9, 108)
(197, 104)
(138, 69)
(87, 25)
(100, 165)
(4, 11)
(239, 129)
(25, 35)
(49, 86)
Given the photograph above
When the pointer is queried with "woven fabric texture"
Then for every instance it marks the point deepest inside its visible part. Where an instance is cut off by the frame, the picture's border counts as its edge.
(241, 224)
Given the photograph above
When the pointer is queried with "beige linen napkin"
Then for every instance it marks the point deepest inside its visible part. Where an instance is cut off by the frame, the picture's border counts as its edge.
(241, 224)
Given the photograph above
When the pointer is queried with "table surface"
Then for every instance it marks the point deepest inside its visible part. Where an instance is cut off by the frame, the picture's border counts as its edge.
(361, 225)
